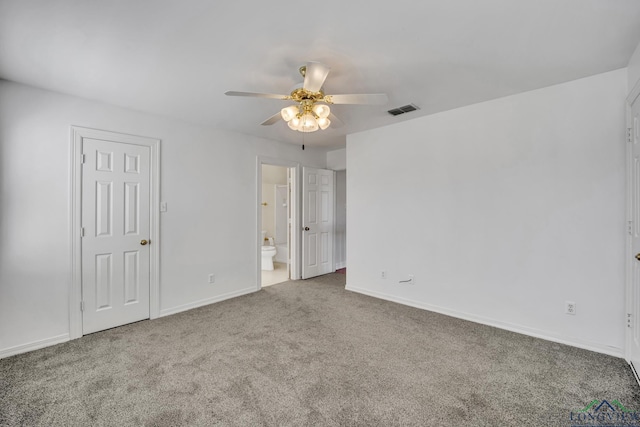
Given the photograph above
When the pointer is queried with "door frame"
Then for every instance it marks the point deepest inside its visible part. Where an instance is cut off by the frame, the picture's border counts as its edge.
(75, 219)
(294, 266)
(634, 96)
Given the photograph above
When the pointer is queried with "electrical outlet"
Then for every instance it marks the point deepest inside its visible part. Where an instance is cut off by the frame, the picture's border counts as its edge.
(212, 278)
(570, 307)
(383, 274)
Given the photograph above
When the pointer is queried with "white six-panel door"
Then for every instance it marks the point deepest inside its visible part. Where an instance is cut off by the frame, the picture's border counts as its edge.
(116, 228)
(317, 222)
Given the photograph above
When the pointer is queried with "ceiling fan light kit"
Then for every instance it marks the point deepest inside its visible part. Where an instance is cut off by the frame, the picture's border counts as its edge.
(307, 116)
(311, 111)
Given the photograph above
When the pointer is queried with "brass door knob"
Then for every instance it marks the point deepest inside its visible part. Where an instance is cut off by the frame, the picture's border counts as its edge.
(144, 242)
(638, 257)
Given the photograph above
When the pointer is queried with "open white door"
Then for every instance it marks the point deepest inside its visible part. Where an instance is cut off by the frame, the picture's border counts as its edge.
(317, 222)
(116, 225)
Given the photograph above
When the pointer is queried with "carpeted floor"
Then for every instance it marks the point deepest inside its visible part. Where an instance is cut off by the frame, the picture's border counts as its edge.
(308, 353)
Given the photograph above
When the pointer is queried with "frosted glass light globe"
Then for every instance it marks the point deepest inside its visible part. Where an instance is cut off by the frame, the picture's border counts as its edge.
(309, 123)
(295, 123)
(321, 110)
(289, 112)
(324, 123)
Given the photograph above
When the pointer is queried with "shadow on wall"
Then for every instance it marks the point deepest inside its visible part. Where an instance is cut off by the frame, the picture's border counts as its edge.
(4, 192)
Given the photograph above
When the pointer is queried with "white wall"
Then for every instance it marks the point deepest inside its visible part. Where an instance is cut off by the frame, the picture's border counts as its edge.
(633, 68)
(274, 174)
(337, 159)
(208, 179)
(502, 210)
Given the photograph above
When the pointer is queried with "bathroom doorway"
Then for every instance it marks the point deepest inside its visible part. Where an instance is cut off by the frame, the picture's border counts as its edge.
(276, 233)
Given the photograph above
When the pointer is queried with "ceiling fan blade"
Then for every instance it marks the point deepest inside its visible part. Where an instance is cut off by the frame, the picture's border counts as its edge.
(271, 120)
(256, 95)
(359, 98)
(315, 76)
(335, 121)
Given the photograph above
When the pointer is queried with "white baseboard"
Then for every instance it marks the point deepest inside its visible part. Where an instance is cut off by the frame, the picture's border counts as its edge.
(196, 304)
(574, 342)
(35, 345)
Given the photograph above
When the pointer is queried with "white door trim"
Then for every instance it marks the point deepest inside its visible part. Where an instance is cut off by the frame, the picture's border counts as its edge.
(629, 242)
(75, 217)
(630, 294)
(295, 216)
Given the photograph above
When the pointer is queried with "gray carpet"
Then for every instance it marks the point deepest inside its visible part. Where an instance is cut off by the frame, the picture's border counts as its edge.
(308, 353)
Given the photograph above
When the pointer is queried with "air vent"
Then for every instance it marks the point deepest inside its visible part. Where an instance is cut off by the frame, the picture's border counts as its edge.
(403, 109)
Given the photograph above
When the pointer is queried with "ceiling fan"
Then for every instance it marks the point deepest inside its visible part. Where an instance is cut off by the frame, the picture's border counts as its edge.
(311, 109)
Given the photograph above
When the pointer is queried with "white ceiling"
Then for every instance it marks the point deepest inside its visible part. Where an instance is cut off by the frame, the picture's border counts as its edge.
(178, 57)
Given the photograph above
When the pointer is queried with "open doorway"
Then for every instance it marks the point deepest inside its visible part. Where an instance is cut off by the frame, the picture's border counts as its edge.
(340, 235)
(276, 230)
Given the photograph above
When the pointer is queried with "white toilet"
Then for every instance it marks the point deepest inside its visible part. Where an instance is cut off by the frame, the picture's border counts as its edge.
(268, 252)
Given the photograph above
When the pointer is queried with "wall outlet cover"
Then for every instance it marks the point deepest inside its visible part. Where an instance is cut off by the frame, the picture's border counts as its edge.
(570, 307)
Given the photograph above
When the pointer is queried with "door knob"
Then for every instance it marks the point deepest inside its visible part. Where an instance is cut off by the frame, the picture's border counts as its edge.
(307, 229)
(144, 242)
(638, 257)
